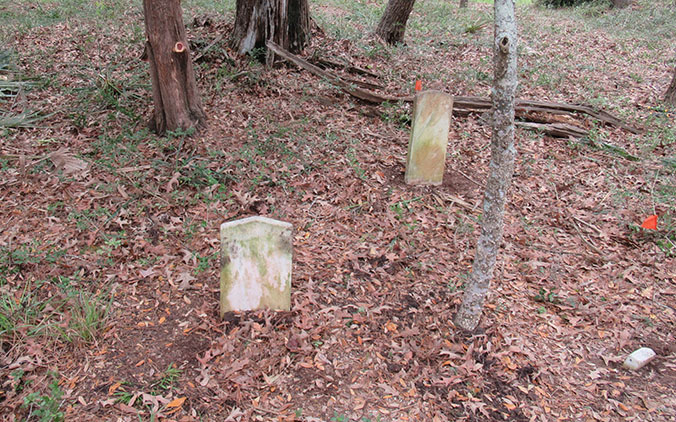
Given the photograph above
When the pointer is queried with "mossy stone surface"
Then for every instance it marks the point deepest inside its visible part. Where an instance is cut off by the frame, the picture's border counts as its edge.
(256, 264)
(426, 158)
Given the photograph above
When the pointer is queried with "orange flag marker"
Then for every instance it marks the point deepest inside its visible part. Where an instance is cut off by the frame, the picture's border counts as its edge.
(418, 85)
(650, 223)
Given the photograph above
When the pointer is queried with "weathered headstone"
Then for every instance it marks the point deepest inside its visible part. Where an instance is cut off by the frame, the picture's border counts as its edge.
(256, 261)
(429, 136)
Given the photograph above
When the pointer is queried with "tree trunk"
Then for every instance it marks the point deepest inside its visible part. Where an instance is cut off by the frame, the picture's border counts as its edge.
(621, 3)
(285, 22)
(392, 25)
(463, 3)
(299, 25)
(670, 95)
(501, 166)
(175, 96)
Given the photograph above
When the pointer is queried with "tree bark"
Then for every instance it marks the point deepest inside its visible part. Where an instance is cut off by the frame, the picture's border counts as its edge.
(299, 25)
(463, 3)
(284, 22)
(392, 25)
(670, 95)
(501, 166)
(175, 95)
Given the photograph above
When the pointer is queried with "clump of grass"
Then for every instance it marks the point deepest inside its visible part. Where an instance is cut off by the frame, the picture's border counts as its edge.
(168, 378)
(477, 25)
(69, 316)
(25, 119)
(10, 87)
(88, 312)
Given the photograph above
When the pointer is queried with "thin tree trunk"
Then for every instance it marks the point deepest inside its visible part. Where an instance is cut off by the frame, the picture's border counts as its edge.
(284, 22)
(501, 166)
(392, 25)
(175, 96)
(670, 95)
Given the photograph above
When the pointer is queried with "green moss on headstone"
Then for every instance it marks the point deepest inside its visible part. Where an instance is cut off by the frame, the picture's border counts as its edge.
(256, 264)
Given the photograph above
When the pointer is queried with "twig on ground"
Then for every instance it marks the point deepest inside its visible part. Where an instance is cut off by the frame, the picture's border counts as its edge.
(587, 242)
(469, 178)
(596, 229)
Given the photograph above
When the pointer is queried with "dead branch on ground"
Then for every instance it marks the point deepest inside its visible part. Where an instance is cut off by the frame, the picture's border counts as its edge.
(465, 105)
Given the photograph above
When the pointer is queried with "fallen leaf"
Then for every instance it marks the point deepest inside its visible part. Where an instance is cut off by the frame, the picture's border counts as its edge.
(147, 273)
(185, 278)
(68, 163)
(178, 402)
(125, 408)
(173, 181)
(647, 292)
(113, 387)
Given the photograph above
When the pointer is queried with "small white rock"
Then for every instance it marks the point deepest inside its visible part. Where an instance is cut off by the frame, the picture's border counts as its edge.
(639, 358)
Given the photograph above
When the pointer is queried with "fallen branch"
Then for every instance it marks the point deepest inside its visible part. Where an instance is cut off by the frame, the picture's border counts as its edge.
(357, 92)
(522, 107)
(464, 105)
(324, 63)
(556, 130)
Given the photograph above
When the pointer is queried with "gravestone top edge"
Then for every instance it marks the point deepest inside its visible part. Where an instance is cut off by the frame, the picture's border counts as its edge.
(434, 91)
(256, 219)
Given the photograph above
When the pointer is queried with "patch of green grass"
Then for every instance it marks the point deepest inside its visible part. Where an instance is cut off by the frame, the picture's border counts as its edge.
(652, 20)
(168, 378)
(19, 315)
(19, 16)
(397, 113)
(119, 90)
(204, 262)
(15, 259)
(88, 312)
(401, 207)
(547, 296)
(216, 7)
(345, 19)
(477, 25)
(53, 312)
(355, 164)
(45, 407)
(11, 85)
(343, 417)
(86, 219)
(122, 395)
(201, 173)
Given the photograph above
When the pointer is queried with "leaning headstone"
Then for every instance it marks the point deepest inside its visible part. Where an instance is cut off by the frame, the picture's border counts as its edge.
(429, 136)
(256, 256)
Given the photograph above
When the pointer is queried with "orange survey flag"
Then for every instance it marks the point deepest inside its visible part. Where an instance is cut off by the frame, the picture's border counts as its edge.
(650, 223)
(418, 85)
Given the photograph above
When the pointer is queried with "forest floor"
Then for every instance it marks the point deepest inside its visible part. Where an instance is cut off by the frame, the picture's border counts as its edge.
(109, 235)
